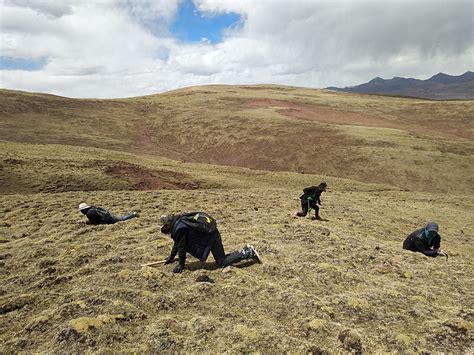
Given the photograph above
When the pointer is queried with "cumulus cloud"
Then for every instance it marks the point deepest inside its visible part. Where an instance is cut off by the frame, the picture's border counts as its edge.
(115, 49)
(50, 8)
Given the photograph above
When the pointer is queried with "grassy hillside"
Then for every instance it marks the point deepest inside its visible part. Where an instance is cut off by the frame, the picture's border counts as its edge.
(412, 144)
(243, 154)
(340, 285)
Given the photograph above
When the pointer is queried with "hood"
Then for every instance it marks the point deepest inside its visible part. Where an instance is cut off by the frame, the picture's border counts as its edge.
(432, 226)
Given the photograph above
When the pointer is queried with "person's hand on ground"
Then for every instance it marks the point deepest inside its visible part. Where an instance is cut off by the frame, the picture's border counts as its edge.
(443, 253)
(178, 269)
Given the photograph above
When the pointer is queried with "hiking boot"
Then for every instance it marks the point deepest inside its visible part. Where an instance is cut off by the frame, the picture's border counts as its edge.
(249, 252)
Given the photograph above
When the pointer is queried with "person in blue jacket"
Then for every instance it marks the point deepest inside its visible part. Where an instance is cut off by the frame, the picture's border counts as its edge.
(425, 240)
(196, 233)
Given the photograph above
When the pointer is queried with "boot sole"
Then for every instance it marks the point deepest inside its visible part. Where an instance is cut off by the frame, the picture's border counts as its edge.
(256, 257)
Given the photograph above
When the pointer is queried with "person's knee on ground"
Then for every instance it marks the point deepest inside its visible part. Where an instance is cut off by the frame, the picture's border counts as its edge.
(304, 212)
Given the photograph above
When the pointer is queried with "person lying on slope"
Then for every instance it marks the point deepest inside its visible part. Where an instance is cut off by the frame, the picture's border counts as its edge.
(99, 215)
(196, 233)
(425, 240)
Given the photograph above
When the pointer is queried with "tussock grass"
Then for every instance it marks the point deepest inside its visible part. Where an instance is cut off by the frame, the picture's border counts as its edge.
(243, 154)
(343, 284)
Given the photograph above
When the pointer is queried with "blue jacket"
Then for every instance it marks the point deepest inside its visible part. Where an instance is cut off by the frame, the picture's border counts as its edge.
(188, 240)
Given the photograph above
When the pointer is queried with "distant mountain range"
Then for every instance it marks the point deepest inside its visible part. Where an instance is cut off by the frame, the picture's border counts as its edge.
(439, 87)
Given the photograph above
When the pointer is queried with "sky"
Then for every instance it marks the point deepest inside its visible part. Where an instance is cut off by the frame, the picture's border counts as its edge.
(111, 48)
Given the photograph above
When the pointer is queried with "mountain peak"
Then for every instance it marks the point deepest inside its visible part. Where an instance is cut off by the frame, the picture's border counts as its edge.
(377, 79)
(440, 86)
(442, 78)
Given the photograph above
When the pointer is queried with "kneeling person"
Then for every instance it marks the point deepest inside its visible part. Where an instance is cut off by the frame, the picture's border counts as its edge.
(196, 233)
(310, 199)
(425, 240)
(99, 215)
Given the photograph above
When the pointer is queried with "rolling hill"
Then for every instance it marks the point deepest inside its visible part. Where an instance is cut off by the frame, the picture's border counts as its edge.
(439, 87)
(411, 144)
(243, 154)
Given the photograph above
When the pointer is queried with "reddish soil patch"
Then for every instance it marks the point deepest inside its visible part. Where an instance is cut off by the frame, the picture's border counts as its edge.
(410, 121)
(322, 114)
(146, 179)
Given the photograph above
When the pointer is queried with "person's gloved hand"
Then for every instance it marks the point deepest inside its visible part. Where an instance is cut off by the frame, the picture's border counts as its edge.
(178, 269)
(169, 260)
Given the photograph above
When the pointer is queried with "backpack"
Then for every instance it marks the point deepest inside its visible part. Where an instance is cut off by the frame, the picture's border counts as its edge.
(200, 222)
(309, 193)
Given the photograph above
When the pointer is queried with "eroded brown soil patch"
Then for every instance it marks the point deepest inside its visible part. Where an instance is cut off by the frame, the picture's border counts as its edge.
(322, 114)
(410, 120)
(58, 175)
(146, 179)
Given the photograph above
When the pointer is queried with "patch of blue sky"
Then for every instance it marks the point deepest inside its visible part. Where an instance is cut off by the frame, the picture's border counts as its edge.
(30, 64)
(193, 26)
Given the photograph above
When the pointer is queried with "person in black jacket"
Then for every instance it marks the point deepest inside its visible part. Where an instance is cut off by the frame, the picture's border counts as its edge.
(310, 199)
(99, 215)
(196, 233)
(425, 240)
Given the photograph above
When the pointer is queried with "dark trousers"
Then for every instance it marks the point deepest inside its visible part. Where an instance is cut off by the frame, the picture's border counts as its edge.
(305, 206)
(116, 219)
(223, 259)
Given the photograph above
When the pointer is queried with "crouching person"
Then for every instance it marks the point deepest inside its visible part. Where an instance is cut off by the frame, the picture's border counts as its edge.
(196, 233)
(425, 240)
(310, 199)
(99, 215)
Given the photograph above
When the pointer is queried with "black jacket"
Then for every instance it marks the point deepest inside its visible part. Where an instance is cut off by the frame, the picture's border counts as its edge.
(417, 241)
(99, 215)
(189, 240)
(311, 193)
